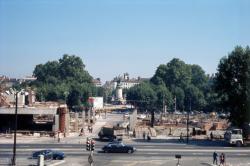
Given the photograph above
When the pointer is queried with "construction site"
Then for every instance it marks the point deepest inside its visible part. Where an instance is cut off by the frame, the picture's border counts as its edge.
(52, 119)
(200, 126)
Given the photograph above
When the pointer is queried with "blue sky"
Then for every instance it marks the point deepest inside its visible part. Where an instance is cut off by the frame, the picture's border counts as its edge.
(117, 36)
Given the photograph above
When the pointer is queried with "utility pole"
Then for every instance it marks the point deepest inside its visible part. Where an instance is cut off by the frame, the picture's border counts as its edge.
(188, 119)
(15, 128)
(175, 104)
(163, 109)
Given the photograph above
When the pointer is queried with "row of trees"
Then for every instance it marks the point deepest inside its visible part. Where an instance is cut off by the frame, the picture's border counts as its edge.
(186, 87)
(176, 85)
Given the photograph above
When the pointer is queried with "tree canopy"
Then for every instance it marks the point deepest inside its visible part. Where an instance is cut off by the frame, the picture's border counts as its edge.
(185, 82)
(64, 80)
(233, 85)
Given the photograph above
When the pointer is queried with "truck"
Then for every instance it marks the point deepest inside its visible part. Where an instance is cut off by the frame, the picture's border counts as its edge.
(107, 132)
(234, 137)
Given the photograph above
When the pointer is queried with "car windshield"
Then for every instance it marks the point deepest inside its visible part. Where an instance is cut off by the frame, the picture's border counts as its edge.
(122, 144)
(236, 132)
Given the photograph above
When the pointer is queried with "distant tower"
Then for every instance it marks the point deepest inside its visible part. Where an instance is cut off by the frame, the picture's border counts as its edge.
(126, 76)
(119, 92)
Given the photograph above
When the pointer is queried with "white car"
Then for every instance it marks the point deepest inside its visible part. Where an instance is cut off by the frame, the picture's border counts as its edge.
(141, 116)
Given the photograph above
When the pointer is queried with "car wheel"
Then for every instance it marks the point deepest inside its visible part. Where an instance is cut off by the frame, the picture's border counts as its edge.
(238, 144)
(57, 158)
(129, 151)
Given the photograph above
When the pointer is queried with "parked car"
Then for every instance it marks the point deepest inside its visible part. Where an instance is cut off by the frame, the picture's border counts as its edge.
(49, 154)
(141, 116)
(118, 147)
(126, 115)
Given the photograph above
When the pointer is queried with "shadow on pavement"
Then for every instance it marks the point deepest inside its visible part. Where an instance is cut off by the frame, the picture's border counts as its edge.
(206, 164)
(193, 142)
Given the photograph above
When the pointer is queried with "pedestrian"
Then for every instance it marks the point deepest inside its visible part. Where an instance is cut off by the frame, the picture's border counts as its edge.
(215, 155)
(170, 131)
(222, 159)
(211, 136)
(58, 137)
(91, 129)
(81, 132)
(181, 138)
(144, 135)
(148, 137)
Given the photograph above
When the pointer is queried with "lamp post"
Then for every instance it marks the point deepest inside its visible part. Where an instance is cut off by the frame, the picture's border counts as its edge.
(188, 119)
(15, 128)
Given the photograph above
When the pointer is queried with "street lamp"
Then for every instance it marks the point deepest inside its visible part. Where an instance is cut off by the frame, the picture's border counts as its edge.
(188, 119)
(15, 129)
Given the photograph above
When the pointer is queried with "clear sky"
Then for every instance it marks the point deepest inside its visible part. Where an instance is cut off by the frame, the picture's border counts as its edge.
(117, 36)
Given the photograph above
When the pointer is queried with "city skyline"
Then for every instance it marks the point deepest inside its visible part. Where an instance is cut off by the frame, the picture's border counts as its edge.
(114, 37)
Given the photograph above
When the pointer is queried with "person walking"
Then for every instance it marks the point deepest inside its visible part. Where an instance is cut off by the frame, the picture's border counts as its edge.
(144, 135)
(148, 137)
(215, 155)
(222, 159)
(181, 138)
(89, 129)
(211, 136)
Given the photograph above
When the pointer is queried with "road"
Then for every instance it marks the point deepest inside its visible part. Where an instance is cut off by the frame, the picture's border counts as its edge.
(147, 154)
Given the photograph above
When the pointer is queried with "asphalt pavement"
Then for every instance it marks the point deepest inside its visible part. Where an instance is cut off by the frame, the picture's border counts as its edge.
(147, 151)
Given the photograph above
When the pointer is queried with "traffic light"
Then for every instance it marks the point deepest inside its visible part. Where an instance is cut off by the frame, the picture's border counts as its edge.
(88, 145)
(92, 145)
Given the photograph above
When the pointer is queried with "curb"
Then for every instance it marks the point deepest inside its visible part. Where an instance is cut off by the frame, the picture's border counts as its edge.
(57, 163)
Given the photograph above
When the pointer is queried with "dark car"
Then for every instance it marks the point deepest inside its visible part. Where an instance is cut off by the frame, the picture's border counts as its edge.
(49, 154)
(118, 147)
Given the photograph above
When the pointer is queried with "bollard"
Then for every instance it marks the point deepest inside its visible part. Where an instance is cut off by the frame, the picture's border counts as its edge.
(40, 160)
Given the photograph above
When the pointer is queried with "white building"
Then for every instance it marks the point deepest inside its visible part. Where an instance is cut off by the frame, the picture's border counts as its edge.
(124, 82)
(97, 102)
(97, 82)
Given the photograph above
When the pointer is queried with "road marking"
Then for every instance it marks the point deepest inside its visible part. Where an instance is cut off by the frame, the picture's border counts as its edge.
(24, 146)
(150, 146)
(153, 153)
(198, 153)
(242, 154)
(195, 150)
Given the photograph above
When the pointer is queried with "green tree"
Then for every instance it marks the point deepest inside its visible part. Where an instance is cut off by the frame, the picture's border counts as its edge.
(164, 97)
(198, 76)
(185, 82)
(211, 96)
(194, 98)
(232, 85)
(65, 80)
(73, 67)
(144, 97)
(44, 72)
